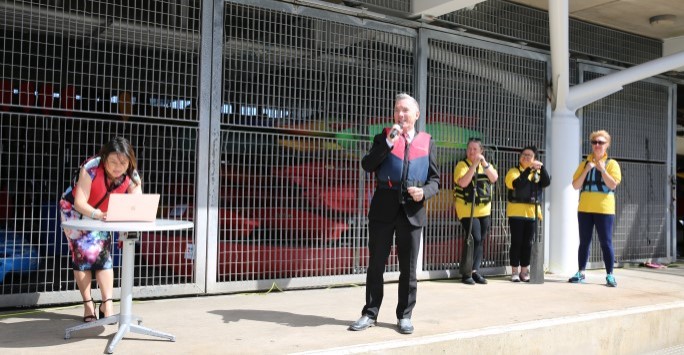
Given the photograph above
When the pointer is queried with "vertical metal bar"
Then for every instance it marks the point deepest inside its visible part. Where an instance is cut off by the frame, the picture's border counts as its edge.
(210, 95)
(421, 53)
(671, 187)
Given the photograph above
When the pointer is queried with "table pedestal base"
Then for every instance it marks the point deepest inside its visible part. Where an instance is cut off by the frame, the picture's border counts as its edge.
(124, 328)
(125, 316)
(96, 323)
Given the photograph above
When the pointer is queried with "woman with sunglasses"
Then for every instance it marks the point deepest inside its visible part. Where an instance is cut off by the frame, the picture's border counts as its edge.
(473, 179)
(524, 183)
(596, 178)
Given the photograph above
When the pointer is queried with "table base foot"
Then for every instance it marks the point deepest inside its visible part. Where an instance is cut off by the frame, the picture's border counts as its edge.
(133, 328)
(100, 322)
(123, 328)
(147, 331)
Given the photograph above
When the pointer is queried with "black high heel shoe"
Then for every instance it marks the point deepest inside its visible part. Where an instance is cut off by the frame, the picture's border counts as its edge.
(102, 314)
(91, 317)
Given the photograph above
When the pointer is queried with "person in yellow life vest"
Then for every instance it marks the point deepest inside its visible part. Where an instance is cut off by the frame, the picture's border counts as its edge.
(524, 184)
(474, 175)
(596, 177)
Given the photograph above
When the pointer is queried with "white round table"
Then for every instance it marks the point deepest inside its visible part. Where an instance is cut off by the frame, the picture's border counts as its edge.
(125, 316)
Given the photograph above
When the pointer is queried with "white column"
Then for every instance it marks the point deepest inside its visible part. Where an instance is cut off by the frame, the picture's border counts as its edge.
(565, 139)
(564, 234)
(565, 150)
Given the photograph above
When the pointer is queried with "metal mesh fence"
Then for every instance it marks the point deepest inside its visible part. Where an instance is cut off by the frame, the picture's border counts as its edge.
(291, 206)
(640, 231)
(303, 93)
(297, 118)
(479, 92)
(638, 115)
(305, 74)
(126, 59)
(75, 74)
(484, 93)
(640, 111)
(40, 157)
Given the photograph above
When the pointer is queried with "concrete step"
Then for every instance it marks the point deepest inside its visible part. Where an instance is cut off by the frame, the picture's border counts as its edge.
(645, 313)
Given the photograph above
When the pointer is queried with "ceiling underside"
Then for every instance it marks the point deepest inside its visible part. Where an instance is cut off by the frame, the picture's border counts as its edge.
(626, 15)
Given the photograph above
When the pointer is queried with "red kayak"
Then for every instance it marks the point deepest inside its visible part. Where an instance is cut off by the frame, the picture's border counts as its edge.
(300, 226)
(241, 261)
(342, 199)
(318, 174)
(172, 252)
(232, 221)
(245, 261)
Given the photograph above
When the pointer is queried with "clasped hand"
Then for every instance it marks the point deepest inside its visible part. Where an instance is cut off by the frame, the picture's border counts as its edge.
(416, 193)
(600, 165)
(480, 159)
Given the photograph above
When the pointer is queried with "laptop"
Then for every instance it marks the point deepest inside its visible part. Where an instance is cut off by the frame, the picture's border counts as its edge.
(132, 207)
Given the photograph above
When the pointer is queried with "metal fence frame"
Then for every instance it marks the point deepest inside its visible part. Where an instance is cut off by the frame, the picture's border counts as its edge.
(207, 121)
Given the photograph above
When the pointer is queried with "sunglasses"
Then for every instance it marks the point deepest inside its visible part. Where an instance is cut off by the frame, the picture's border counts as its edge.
(598, 142)
(474, 139)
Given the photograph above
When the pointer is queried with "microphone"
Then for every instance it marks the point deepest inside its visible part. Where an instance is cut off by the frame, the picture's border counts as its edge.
(396, 129)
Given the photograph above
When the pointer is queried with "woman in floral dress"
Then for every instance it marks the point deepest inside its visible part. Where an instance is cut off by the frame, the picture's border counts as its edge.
(113, 170)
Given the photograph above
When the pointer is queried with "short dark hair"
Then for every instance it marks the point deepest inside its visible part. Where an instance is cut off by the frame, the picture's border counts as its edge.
(120, 145)
(532, 148)
(475, 140)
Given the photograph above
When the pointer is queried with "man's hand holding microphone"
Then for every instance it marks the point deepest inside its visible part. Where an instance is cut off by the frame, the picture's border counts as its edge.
(394, 133)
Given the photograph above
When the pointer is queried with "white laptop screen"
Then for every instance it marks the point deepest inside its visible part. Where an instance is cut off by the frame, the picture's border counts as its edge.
(132, 207)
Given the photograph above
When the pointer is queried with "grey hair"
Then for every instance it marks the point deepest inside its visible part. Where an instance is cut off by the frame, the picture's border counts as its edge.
(405, 96)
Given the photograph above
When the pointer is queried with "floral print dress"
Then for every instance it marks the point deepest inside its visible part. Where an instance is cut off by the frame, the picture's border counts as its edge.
(90, 250)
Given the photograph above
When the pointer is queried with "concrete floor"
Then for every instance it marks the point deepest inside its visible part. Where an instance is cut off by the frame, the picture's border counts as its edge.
(449, 318)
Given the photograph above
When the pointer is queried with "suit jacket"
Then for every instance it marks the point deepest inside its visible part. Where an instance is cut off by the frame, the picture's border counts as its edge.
(386, 202)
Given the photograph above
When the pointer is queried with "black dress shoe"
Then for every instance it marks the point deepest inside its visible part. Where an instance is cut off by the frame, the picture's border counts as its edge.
(405, 326)
(479, 279)
(467, 280)
(363, 323)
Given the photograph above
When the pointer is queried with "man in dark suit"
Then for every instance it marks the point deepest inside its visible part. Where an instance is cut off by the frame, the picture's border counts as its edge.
(406, 175)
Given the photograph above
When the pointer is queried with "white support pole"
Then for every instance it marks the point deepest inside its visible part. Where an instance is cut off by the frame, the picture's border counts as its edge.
(564, 234)
(560, 50)
(565, 150)
(565, 140)
(590, 91)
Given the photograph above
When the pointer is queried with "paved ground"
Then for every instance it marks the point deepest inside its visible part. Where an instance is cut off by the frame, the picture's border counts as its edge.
(316, 320)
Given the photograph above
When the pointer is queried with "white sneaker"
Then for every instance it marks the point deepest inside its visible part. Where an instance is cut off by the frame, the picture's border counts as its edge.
(525, 276)
(515, 278)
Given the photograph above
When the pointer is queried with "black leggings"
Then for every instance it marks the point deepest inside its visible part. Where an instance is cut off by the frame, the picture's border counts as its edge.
(522, 232)
(479, 232)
